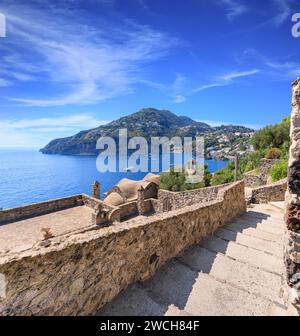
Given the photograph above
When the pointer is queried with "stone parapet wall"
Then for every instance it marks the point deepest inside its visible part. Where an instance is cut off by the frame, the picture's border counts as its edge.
(265, 165)
(251, 180)
(168, 200)
(122, 211)
(79, 274)
(269, 193)
(38, 209)
(292, 213)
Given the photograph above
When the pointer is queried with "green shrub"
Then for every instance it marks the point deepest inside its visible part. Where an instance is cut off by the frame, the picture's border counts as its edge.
(273, 136)
(251, 161)
(279, 170)
(274, 153)
(176, 181)
(224, 175)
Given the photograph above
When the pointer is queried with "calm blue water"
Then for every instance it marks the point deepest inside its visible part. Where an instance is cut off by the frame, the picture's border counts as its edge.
(29, 176)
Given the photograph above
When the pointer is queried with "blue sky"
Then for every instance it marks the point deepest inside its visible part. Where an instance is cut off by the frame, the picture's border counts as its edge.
(68, 65)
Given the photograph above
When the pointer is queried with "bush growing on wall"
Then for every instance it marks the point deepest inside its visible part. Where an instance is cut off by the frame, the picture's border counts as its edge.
(279, 170)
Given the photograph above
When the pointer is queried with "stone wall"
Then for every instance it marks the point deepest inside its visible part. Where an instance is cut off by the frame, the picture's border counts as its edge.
(292, 214)
(269, 193)
(123, 211)
(168, 200)
(265, 165)
(251, 180)
(78, 274)
(38, 209)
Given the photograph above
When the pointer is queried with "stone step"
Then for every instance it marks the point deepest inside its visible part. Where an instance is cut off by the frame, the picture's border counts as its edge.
(254, 232)
(256, 243)
(267, 226)
(134, 301)
(245, 254)
(271, 207)
(278, 205)
(200, 294)
(241, 275)
(213, 298)
(266, 213)
(252, 215)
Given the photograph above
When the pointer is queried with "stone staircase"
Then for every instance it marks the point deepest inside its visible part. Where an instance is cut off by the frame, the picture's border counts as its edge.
(237, 271)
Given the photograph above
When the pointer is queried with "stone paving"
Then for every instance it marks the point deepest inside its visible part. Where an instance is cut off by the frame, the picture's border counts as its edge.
(22, 235)
(237, 271)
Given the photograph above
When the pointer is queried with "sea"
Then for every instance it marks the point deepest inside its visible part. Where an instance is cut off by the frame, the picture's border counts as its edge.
(28, 176)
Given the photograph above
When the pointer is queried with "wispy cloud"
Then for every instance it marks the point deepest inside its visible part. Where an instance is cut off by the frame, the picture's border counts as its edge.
(226, 79)
(4, 82)
(281, 68)
(89, 65)
(35, 133)
(182, 87)
(234, 8)
(177, 89)
(284, 11)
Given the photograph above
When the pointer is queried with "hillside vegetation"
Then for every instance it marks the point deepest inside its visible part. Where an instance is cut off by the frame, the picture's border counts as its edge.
(147, 123)
(270, 142)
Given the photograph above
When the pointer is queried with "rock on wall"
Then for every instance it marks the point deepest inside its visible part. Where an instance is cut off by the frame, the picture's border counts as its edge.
(79, 274)
(292, 215)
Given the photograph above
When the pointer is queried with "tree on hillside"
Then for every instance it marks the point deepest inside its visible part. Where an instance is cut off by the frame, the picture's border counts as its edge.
(176, 181)
(273, 136)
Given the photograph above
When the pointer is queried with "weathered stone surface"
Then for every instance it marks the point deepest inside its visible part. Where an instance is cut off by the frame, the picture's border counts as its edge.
(81, 272)
(269, 193)
(265, 165)
(96, 189)
(254, 180)
(292, 217)
(203, 282)
(168, 200)
(141, 201)
(292, 214)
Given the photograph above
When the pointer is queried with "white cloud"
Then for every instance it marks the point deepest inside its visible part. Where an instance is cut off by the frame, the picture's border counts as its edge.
(177, 89)
(226, 79)
(179, 99)
(89, 64)
(279, 68)
(181, 89)
(36, 133)
(234, 8)
(4, 82)
(284, 11)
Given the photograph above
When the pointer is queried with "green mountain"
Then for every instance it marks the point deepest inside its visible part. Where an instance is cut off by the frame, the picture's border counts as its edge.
(147, 123)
